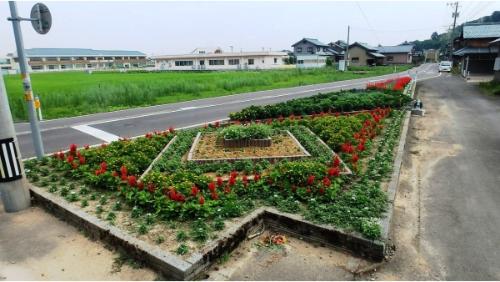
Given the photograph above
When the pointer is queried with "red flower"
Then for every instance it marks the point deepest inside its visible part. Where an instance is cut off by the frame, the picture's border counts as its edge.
(86, 146)
(123, 170)
(194, 190)
(201, 200)
(132, 181)
(171, 129)
(256, 177)
(322, 190)
(151, 187)
(70, 159)
(227, 190)
(74, 165)
(211, 187)
(140, 185)
(336, 161)
(326, 182)
(233, 174)
(219, 181)
(354, 158)
(104, 166)
(61, 155)
(148, 135)
(333, 171)
(81, 159)
(217, 124)
(232, 181)
(214, 196)
(114, 173)
(347, 148)
(361, 147)
(308, 191)
(245, 180)
(72, 148)
(310, 180)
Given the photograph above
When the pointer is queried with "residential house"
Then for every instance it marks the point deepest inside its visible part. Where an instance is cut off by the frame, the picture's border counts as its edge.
(312, 53)
(63, 59)
(397, 55)
(474, 54)
(201, 59)
(339, 47)
(362, 54)
(496, 66)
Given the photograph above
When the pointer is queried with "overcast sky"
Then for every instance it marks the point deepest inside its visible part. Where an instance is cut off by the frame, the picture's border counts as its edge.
(179, 27)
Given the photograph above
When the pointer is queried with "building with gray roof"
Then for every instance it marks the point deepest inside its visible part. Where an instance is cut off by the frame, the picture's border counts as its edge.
(474, 53)
(64, 59)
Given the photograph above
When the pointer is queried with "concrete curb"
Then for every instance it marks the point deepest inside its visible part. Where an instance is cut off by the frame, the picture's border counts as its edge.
(385, 222)
(175, 268)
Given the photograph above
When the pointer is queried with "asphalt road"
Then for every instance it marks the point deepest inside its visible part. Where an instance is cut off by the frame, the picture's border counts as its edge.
(461, 205)
(98, 128)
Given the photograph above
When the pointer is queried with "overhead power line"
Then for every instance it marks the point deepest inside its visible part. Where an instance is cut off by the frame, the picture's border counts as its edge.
(368, 22)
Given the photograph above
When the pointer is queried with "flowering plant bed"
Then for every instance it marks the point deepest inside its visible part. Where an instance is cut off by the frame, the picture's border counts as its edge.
(182, 205)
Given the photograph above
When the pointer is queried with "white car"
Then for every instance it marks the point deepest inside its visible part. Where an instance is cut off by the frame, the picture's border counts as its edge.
(445, 66)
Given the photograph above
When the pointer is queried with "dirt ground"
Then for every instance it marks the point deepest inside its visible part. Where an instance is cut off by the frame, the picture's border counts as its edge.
(294, 260)
(31, 251)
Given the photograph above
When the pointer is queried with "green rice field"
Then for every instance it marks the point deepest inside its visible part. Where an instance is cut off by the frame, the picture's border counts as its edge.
(67, 94)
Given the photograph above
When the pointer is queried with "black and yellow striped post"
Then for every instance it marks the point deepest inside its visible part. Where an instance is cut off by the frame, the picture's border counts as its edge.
(13, 187)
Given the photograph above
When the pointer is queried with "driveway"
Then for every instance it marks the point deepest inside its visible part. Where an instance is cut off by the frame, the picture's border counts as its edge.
(447, 211)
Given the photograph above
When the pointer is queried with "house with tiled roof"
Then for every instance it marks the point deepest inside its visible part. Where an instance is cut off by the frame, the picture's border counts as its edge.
(474, 53)
(312, 53)
(397, 55)
(362, 54)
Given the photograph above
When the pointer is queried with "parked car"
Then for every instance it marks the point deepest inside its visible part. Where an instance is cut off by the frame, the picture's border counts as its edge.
(445, 66)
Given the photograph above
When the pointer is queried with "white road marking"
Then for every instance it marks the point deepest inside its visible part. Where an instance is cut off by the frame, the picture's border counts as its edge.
(97, 133)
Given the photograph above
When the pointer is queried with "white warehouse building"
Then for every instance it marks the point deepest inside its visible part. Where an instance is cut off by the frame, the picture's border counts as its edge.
(201, 60)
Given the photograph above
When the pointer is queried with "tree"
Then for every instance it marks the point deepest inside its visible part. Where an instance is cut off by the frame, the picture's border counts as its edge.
(435, 36)
(329, 61)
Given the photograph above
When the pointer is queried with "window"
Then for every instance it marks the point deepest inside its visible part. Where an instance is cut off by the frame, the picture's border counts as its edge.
(324, 49)
(90, 58)
(183, 63)
(299, 49)
(80, 58)
(300, 62)
(37, 67)
(355, 59)
(65, 59)
(318, 49)
(250, 61)
(51, 59)
(275, 60)
(390, 58)
(89, 65)
(202, 62)
(52, 67)
(63, 66)
(108, 58)
(216, 62)
(234, 61)
(310, 49)
(35, 59)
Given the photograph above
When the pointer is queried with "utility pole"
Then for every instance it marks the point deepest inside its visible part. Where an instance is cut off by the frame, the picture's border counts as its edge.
(455, 16)
(28, 92)
(13, 190)
(346, 58)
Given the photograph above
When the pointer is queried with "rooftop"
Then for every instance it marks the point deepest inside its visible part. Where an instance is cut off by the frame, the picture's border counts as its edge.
(314, 41)
(395, 49)
(222, 55)
(481, 31)
(365, 46)
(74, 52)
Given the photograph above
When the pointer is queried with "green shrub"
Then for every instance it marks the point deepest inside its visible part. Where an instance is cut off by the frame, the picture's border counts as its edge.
(252, 131)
